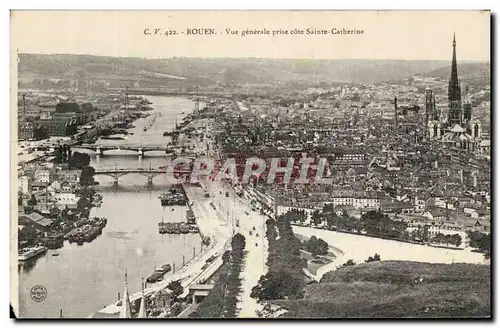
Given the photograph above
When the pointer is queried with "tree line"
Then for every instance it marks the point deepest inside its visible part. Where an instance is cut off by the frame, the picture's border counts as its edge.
(481, 242)
(372, 223)
(285, 277)
(222, 299)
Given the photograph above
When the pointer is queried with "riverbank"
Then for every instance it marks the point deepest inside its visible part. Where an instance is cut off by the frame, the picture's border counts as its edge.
(130, 241)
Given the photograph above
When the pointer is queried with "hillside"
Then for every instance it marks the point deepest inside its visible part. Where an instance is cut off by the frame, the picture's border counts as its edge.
(401, 289)
(476, 73)
(223, 70)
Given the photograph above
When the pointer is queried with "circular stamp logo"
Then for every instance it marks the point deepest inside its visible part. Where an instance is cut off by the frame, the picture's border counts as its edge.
(38, 293)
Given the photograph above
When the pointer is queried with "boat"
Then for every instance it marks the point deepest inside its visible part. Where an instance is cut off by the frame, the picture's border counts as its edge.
(158, 274)
(88, 231)
(55, 254)
(174, 196)
(191, 219)
(31, 252)
(184, 228)
(113, 138)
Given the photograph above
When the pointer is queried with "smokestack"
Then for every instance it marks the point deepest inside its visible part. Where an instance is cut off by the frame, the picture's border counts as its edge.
(462, 177)
(474, 181)
(395, 114)
(436, 164)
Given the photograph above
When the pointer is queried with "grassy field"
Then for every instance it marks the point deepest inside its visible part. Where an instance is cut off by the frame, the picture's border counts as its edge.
(397, 289)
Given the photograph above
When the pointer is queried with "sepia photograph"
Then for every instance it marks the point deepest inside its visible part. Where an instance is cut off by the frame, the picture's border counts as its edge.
(250, 164)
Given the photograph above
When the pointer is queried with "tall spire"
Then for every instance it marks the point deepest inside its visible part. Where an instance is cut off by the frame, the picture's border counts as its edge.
(454, 70)
(142, 308)
(125, 309)
(454, 93)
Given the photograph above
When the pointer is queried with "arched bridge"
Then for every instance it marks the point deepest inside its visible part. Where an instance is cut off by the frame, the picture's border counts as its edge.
(139, 149)
(150, 173)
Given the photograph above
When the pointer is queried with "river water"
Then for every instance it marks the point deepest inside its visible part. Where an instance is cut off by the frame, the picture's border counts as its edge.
(82, 279)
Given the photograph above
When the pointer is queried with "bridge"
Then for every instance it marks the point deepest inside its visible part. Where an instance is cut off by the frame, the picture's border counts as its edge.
(150, 173)
(139, 149)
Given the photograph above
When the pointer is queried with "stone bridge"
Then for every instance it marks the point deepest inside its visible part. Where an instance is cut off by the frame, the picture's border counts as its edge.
(139, 149)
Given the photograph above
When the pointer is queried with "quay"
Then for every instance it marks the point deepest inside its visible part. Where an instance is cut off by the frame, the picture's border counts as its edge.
(212, 225)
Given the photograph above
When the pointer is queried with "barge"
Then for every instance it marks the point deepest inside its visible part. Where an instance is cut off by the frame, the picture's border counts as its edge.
(158, 274)
(176, 228)
(28, 253)
(175, 196)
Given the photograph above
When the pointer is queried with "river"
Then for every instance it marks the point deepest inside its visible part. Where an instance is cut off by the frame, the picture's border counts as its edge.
(358, 248)
(82, 279)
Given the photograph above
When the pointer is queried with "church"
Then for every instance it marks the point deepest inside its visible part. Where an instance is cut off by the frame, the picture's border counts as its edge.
(458, 129)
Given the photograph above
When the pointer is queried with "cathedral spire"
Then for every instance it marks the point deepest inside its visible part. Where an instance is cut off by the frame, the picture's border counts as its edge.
(125, 312)
(454, 70)
(454, 93)
(142, 308)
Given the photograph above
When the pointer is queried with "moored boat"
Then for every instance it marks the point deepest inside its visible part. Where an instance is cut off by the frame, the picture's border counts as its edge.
(158, 274)
(31, 252)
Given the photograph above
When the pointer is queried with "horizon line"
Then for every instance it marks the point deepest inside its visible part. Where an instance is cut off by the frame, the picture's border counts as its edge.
(258, 58)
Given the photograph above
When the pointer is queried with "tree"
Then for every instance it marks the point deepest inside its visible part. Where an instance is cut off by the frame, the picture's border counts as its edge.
(480, 241)
(87, 176)
(456, 240)
(78, 160)
(316, 217)
(176, 288)
(226, 256)
(331, 219)
(32, 201)
(346, 264)
(277, 285)
(238, 242)
(375, 258)
(317, 246)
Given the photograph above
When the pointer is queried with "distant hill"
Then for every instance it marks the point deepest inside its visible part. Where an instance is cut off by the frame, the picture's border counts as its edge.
(466, 71)
(224, 70)
(390, 289)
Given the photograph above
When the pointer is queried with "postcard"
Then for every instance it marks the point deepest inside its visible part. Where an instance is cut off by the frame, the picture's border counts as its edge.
(250, 164)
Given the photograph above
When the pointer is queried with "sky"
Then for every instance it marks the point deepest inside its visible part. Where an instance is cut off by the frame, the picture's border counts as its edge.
(410, 35)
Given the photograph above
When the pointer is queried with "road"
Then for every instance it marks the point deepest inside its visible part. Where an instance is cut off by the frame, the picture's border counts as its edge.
(244, 221)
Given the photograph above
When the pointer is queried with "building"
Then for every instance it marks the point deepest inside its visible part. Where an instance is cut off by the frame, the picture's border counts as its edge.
(36, 220)
(26, 131)
(71, 176)
(44, 175)
(59, 126)
(25, 184)
(459, 130)
(66, 198)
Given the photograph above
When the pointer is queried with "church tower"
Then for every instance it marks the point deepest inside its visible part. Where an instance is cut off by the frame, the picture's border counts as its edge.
(432, 116)
(454, 96)
(429, 102)
(467, 106)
